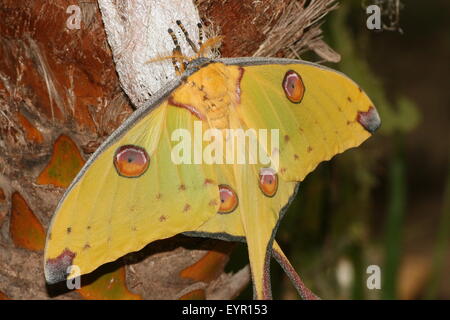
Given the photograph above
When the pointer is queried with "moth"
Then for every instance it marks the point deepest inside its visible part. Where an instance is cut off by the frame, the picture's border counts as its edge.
(131, 192)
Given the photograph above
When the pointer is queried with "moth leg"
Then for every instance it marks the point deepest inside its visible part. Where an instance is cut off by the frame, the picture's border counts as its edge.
(302, 290)
(200, 34)
(186, 35)
(174, 63)
(177, 56)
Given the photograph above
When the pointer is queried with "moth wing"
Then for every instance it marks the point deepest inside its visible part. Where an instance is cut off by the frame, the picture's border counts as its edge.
(105, 215)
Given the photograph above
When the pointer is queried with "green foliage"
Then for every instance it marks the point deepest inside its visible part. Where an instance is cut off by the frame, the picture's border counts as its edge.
(395, 220)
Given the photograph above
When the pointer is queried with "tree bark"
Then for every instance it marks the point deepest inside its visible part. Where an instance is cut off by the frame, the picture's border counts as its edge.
(137, 31)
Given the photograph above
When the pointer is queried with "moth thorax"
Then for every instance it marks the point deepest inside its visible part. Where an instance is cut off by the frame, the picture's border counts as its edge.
(211, 93)
(218, 113)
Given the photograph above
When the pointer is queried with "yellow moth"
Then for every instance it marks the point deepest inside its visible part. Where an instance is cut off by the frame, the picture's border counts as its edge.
(131, 192)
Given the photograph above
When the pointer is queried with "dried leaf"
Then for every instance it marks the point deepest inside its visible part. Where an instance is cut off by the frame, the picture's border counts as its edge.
(198, 294)
(3, 296)
(210, 266)
(297, 29)
(109, 286)
(31, 132)
(25, 229)
(65, 163)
